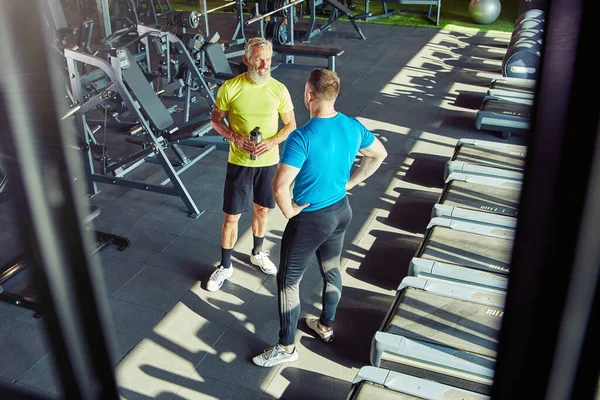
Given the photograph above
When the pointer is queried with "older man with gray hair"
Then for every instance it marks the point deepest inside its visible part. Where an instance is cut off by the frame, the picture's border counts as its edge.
(252, 99)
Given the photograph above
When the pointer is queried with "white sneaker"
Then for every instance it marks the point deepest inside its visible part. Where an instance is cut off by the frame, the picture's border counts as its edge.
(218, 277)
(273, 356)
(263, 261)
(313, 323)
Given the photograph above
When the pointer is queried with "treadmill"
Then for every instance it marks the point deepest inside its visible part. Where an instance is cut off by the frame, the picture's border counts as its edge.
(495, 195)
(504, 116)
(441, 334)
(487, 253)
(507, 87)
(490, 195)
(454, 216)
(480, 169)
(383, 384)
(507, 106)
(430, 269)
(490, 154)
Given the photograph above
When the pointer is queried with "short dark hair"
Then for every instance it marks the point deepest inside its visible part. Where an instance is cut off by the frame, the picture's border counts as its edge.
(325, 84)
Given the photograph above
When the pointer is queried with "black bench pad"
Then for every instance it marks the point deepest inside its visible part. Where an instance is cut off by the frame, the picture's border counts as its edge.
(314, 51)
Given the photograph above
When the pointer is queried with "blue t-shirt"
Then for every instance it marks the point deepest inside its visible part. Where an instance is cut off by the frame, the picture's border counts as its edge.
(324, 149)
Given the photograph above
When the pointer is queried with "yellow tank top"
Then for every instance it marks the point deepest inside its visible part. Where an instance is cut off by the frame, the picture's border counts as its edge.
(248, 106)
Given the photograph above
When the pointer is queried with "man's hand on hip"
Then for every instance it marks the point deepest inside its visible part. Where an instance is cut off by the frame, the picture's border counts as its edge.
(296, 209)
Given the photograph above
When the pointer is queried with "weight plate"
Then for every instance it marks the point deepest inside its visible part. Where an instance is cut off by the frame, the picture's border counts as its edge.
(280, 33)
(263, 7)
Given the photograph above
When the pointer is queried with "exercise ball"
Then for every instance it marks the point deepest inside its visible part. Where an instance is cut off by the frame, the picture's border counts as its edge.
(484, 11)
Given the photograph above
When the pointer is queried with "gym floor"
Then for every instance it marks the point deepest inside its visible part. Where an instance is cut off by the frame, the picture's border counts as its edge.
(418, 90)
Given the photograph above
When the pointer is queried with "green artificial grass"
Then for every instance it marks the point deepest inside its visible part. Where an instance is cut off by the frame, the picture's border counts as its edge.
(454, 12)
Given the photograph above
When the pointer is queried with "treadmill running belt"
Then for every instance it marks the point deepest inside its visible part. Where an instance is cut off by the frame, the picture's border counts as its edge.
(482, 198)
(507, 108)
(470, 250)
(445, 321)
(491, 157)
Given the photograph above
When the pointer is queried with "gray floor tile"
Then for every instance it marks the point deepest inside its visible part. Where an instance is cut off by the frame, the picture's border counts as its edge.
(351, 346)
(192, 257)
(201, 388)
(117, 272)
(380, 231)
(25, 390)
(207, 198)
(129, 210)
(130, 323)
(410, 214)
(145, 245)
(215, 157)
(156, 288)
(205, 228)
(226, 304)
(383, 266)
(110, 227)
(44, 376)
(170, 217)
(364, 201)
(233, 357)
(364, 297)
(426, 169)
(4, 322)
(261, 316)
(212, 176)
(33, 318)
(180, 340)
(143, 380)
(22, 346)
(329, 375)
(208, 227)
(9, 311)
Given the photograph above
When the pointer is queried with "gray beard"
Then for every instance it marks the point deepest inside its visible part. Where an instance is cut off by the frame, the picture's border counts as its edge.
(256, 78)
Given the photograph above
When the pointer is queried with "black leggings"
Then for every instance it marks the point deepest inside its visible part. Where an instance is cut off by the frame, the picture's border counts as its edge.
(321, 232)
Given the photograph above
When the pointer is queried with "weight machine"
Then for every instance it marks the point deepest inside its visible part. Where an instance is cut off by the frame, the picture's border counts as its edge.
(120, 80)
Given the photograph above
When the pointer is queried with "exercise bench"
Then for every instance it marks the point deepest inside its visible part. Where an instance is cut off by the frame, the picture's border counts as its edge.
(289, 51)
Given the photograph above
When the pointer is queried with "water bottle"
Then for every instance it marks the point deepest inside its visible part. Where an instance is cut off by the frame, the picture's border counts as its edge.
(256, 137)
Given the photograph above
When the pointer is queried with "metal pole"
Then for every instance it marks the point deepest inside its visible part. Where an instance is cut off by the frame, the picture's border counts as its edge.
(203, 12)
(261, 17)
(43, 166)
(104, 17)
(545, 351)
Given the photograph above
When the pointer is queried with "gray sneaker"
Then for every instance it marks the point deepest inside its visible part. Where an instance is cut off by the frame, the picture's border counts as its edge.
(313, 323)
(273, 356)
(218, 277)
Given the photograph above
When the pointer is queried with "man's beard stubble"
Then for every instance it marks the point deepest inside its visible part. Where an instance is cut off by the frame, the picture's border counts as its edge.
(256, 78)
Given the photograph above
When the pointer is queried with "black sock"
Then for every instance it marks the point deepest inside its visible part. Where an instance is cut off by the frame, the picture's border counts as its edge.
(226, 257)
(258, 243)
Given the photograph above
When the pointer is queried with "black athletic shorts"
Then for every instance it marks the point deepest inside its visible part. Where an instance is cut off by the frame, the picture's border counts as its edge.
(245, 185)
